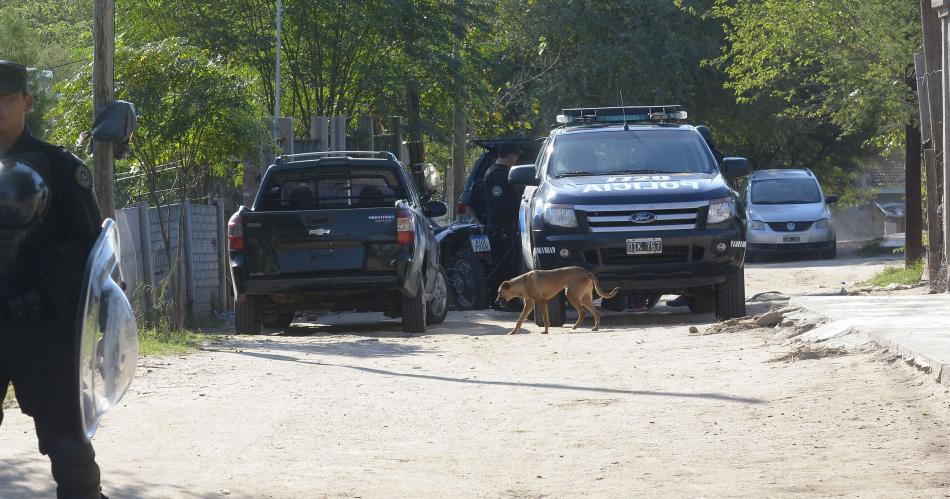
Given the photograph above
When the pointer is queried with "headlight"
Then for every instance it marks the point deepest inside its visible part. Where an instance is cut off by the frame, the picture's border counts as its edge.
(560, 215)
(756, 225)
(721, 210)
(824, 223)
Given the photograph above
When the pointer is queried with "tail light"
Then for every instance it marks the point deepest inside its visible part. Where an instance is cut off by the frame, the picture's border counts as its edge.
(405, 227)
(236, 232)
(462, 209)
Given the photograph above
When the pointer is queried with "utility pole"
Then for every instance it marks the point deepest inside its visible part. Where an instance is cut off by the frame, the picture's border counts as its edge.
(931, 106)
(943, 11)
(103, 91)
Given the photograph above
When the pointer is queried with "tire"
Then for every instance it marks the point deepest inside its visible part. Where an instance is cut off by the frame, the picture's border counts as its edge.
(279, 321)
(832, 253)
(730, 297)
(247, 318)
(468, 284)
(414, 311)
(438, 308)
(556, 311)
(702, 304)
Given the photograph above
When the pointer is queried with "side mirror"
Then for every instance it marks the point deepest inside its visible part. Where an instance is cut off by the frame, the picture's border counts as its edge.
(523, 175)
(735, 167)
(831, 199)
(435, 209)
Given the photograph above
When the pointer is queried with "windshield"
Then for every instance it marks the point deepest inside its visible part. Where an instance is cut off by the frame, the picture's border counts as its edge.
(634, 151)
(786, 191)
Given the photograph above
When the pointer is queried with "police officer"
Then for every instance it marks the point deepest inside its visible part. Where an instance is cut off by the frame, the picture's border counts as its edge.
(502, 201)
(49, 221)
(707, 136)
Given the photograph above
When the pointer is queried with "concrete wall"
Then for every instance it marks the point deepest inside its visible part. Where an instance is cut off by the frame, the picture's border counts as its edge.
(203, 268)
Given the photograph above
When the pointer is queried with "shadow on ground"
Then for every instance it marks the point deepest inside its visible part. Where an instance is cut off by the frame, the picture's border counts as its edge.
(22, 479)
(366, 348)
(549, 386)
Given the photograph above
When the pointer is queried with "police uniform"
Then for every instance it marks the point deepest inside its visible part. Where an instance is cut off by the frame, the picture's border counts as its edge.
(502, 202)
(40, 289)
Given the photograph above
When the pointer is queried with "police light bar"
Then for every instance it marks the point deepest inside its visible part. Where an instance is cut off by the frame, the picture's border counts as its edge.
(628, 114)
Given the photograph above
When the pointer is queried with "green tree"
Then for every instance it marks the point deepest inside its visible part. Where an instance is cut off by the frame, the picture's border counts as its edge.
(848, 64)
(197, 119)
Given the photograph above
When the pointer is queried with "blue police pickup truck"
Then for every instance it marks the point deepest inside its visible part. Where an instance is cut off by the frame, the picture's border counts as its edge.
(636, 196)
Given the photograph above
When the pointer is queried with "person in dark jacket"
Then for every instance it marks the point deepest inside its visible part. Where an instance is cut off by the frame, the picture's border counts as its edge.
(502, 202)
(49, 222)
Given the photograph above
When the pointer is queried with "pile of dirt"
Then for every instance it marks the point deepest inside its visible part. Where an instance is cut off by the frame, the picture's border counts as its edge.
(783, 323)
(810, 352)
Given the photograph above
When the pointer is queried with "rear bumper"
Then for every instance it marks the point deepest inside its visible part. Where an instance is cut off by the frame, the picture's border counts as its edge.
(689, 258)
(321, 285)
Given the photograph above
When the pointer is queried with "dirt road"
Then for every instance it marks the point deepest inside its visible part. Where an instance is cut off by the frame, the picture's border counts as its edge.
(352, 409)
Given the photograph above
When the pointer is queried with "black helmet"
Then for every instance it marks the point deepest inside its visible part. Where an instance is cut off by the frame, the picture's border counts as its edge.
(24, 202)
(706, 133)
(507, 148)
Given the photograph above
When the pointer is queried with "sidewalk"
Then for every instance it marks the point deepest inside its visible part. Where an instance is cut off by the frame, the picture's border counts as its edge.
(915, 326)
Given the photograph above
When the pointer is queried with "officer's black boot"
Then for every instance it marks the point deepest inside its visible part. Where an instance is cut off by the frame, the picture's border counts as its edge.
(75, 469)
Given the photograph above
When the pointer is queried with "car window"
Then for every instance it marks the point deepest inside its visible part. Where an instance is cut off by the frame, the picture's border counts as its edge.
(333, 190)
(647, 151)
(785, 191)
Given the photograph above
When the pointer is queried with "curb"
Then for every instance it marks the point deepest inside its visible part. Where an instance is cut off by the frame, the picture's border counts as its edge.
(878, 320)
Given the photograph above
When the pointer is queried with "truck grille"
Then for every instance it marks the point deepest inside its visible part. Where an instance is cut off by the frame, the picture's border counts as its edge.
(653, 217)
(790, 226)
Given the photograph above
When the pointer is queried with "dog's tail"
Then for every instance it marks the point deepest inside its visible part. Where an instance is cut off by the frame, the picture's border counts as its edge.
(601, 291)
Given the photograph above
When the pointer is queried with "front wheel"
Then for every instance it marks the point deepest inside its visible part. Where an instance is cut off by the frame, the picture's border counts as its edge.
(414, 311)
(832, 253)
(730, 297)
(438, 306)
(467, 281)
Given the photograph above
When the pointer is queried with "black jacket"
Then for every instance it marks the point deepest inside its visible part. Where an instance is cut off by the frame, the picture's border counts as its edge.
(502, 200)
(55, 263)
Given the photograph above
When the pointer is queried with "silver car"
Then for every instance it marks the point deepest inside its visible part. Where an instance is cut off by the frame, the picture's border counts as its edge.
(787, 213)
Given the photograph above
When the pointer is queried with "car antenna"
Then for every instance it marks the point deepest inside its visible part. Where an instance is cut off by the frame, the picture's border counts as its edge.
(626, 128)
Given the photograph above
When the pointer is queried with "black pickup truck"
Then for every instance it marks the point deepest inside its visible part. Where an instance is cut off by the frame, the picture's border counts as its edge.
(336, 231)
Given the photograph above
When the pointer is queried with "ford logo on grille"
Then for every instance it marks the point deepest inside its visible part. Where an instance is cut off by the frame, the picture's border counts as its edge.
(644, 217)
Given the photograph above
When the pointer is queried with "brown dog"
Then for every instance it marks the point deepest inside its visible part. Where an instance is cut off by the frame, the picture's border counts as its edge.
(539, 286)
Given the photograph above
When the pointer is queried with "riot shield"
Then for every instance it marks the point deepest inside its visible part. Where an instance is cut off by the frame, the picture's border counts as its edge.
(108, 336)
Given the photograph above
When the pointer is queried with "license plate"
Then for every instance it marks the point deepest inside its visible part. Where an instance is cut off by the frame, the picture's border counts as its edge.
(480, 244)
(652, 246)
(791, 239)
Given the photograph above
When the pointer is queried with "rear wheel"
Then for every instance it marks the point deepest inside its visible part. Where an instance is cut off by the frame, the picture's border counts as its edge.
(414, 311)
(467, 281)
(247, 319)
(730, 297)
(439, 304)
(556, 312)
(278, 321)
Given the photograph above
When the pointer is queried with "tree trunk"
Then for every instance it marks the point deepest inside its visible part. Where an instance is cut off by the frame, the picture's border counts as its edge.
(457, 180)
